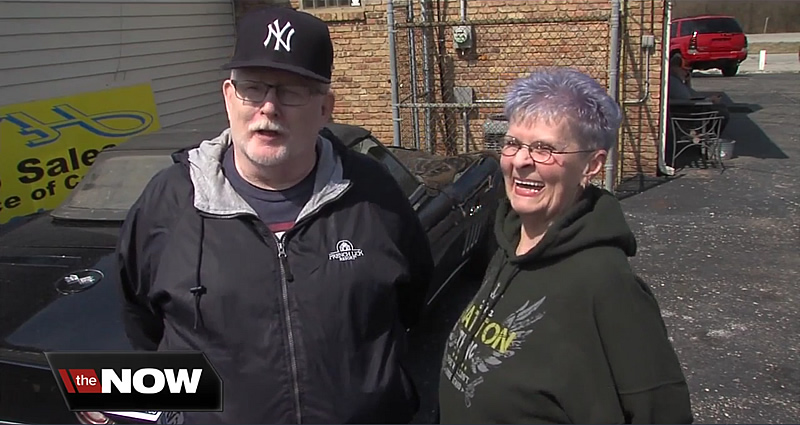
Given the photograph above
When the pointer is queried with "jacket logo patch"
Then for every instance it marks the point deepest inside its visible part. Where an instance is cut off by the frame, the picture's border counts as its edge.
(345, 251)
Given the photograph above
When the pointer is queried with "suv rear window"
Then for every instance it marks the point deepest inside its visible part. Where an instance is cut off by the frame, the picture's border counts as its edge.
(710, 26)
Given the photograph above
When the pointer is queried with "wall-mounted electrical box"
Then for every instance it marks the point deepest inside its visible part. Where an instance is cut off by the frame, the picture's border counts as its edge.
(648, 42)
(462, 37)
(464, 95)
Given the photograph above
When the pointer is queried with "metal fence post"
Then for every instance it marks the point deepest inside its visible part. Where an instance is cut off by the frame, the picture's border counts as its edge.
(412, 53)
(393, 74)
(426, 75)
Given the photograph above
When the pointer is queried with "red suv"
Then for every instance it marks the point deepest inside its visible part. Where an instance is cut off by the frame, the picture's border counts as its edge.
(709, 41)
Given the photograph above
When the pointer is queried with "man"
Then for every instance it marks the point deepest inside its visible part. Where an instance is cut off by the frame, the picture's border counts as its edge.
(293, 263)
(683, 96)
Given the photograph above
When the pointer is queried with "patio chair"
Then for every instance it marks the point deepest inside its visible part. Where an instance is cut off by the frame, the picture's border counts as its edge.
(699, 129)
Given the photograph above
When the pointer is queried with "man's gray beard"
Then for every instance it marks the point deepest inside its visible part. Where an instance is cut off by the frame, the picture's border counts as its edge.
(268, 161)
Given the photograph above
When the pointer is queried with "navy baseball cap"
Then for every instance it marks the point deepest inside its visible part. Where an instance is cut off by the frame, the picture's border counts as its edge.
(286, 39)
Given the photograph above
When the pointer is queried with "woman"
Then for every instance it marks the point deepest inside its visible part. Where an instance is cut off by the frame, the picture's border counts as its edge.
(561, 329)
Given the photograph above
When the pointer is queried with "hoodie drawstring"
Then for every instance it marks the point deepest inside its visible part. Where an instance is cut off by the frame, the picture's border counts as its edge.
(199, 290)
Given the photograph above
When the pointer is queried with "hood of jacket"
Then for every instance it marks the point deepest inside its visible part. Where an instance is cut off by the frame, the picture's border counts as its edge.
(596, 219)
(213, 193)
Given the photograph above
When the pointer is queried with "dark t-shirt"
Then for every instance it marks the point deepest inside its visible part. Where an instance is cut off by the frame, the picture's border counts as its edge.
(278, 209)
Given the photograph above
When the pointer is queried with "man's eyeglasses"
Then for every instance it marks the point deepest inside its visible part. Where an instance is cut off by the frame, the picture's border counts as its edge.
(539, 153)
(288, 95)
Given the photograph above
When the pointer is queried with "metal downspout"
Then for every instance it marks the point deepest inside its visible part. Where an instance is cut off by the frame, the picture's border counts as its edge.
(613, 91)
(662, 148)
(393, 74)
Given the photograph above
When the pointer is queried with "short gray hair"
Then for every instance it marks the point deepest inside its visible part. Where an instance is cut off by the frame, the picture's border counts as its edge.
(563, 94)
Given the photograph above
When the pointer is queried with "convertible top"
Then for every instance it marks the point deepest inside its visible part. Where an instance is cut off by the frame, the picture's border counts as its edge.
(348, 134)
(168, 139)
(435, 170)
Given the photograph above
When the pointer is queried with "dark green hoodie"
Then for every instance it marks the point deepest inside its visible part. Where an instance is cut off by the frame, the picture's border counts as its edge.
(567, 332)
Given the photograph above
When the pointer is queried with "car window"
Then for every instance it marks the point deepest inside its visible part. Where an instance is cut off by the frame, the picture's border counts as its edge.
(112, 185)
(710, 26)
(673, 32)
(376, 150)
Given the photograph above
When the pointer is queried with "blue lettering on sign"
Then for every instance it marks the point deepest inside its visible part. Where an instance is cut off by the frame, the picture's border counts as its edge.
(46, 133)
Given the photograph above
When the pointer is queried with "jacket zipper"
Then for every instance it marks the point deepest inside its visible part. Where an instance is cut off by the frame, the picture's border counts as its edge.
(284, 265)
(286, 275)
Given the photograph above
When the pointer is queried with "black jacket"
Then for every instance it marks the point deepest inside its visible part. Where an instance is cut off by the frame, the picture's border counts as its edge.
(309, 328)
(565, 333)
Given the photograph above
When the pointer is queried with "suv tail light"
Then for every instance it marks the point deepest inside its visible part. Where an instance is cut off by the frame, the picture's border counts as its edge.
(693, 43)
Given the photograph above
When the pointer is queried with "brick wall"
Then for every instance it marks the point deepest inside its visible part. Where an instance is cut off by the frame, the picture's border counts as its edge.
(544, 34)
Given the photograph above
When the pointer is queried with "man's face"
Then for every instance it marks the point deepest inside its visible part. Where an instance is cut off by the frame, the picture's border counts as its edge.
(267, 132)
(680, 71)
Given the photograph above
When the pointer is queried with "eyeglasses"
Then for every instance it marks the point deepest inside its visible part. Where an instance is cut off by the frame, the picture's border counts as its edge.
(288, 95)
(539, 153)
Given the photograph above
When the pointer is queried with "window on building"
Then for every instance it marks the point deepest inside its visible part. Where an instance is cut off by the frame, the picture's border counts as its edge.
(317, 4)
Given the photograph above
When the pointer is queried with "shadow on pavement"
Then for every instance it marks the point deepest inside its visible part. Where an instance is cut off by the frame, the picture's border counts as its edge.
(751, 140)
(640, 183)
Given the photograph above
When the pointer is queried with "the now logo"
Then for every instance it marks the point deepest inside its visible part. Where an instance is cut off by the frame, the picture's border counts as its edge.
(174, 380)
(177, 381)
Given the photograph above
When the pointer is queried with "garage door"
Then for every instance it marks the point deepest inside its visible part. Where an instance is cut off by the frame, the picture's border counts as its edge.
(57, 48)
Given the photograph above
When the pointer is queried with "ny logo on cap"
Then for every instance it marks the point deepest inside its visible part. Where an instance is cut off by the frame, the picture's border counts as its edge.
(282, 38)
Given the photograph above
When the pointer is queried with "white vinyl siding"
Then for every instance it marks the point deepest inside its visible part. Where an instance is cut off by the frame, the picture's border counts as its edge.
(53, 48)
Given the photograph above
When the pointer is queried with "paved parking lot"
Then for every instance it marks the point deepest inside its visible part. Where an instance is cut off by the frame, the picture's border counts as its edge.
(721, 253)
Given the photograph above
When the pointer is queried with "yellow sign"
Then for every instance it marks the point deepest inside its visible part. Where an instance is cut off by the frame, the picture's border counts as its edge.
(47, 146)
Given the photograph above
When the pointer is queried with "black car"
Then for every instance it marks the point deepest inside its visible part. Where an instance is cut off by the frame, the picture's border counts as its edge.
(52, 297)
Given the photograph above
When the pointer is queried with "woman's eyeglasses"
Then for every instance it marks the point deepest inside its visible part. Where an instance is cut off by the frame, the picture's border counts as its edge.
(539, 153)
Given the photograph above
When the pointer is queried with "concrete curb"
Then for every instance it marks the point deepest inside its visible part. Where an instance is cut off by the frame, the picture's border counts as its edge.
(748, 72)
(769, 71)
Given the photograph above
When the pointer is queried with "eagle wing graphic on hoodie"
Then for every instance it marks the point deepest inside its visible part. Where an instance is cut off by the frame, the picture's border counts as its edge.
(519, 324)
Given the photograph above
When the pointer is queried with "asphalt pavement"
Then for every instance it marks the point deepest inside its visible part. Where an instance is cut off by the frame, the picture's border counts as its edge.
(721, 251)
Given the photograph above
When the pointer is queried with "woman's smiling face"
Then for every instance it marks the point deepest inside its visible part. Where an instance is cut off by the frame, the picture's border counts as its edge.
(540, 191)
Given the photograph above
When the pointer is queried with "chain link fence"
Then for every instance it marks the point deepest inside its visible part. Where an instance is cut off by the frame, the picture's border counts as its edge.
(450, 90)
